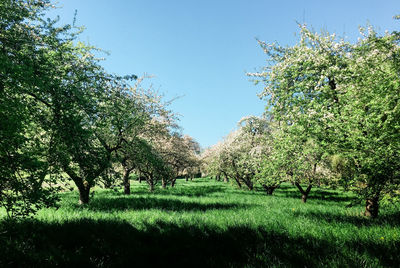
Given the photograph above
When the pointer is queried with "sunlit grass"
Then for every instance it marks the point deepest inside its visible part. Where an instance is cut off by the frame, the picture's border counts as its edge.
(205, 223)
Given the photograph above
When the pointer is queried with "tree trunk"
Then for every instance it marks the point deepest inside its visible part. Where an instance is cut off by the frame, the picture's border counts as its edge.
(269, 189)
(83, 185)
(226, 179)
(173, 182)
(372, 207)
(163, 183)
(238, 183)
(151, 185)
(84, 194)
(248, 183)
(186, 178)
(304, 194)
(127, 183)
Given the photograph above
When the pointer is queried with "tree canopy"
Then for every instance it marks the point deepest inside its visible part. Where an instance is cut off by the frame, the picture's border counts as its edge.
(64, 117)
(343, 99)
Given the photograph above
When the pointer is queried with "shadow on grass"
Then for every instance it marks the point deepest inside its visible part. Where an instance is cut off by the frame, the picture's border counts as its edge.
(149, 202)
(192, 191)
(389, 218)
(179, 190)
(111, 243)
(316, 193)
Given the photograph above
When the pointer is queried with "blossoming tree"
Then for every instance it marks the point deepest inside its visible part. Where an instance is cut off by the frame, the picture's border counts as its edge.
(342, 99)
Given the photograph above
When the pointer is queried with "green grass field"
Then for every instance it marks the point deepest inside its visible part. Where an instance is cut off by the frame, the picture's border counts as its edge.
(203, 223)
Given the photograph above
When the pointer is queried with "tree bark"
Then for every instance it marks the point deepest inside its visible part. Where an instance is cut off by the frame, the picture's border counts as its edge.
(83, 194)
(226, 179)
(249, 185)
(269, 189)
(126, 180)
(83, 185)
(151, 184)
(163, 183)
(127, 183)
(372, 207)
(173, 182)
(238, 183)
(304, 194)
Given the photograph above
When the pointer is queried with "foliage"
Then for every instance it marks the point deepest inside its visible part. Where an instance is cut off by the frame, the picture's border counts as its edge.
(239, 156)
(150, 163)
(62, 113)
(131, 114)
(332, 97)
(24, 142)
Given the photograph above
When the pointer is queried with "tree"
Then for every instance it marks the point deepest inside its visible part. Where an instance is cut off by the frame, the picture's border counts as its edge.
(341, 98)
(66, 101)
(24, 143)
(83, 120)
(128, 116)
(64, 114)
(240, 154)
(151, 165)
(236, 159)
(212, 164)
(371, 137)
(273, 169)
(193, 162)
(179, 153)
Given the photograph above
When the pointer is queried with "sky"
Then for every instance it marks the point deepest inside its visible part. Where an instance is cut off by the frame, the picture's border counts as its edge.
(199, 51)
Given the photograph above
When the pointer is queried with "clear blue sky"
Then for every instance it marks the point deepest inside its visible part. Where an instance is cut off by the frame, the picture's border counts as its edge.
(202, 49)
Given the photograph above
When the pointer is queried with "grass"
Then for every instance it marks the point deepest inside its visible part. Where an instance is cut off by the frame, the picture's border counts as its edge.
(203, 223)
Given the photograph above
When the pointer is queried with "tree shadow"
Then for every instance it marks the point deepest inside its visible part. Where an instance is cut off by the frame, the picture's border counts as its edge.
(112, 243)
(388, 218)
(254, 192)
(133, 202)
(193, 191)
(316, 194)
(180, 190)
